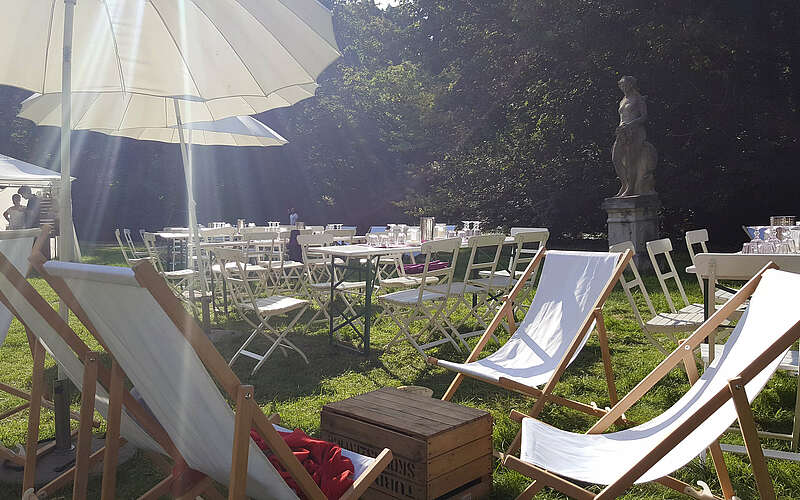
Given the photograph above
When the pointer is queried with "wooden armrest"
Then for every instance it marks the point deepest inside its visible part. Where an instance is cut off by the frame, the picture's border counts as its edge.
(368, 477)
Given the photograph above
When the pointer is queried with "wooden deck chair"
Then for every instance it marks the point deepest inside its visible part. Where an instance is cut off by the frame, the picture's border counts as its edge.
(700, 237)
(567, 306)
(258, 311)
(101, 389)
(15, 246)
(653, 450)
(424, 303)
(176, 368)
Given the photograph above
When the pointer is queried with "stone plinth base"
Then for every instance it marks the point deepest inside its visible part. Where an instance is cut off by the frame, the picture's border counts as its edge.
(633, 218)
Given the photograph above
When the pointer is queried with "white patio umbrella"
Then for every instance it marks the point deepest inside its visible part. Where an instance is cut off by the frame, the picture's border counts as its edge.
(205, 49)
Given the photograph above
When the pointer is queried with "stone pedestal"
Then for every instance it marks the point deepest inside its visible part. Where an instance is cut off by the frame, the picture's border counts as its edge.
(633, 218)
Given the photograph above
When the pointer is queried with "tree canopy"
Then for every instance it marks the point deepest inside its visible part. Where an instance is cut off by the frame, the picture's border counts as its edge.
(502, 111)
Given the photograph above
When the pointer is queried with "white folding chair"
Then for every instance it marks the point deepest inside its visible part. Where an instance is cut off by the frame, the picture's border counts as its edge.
(317, 280)
(700, 237)
(129, 257)
(180, 278)
(258, 311)
(424, 303)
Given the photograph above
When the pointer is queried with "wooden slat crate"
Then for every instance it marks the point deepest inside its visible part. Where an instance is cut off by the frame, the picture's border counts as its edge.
(441, 449)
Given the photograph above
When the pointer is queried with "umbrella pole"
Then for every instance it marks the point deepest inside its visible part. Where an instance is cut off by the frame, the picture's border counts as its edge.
(194, 231)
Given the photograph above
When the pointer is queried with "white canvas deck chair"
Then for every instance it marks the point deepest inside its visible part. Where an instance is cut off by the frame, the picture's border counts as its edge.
(16, 246)
(176, 368)
(567, 306)
(101, 389)
(652, 451)
(424, 303)
(258, 311)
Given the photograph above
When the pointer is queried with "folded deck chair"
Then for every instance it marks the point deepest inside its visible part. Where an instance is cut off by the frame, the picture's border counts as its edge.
(567, 305)
(50, 333)
(652, 451)
(174, 367)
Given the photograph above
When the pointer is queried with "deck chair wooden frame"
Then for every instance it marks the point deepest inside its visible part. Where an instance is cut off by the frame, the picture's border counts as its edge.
(6, 453)
(683, 355)
(248, 414)
(545, 394)
(258, 311)
(95, 377)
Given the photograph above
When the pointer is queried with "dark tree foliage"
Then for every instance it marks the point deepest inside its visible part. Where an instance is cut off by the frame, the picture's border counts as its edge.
(502, 110)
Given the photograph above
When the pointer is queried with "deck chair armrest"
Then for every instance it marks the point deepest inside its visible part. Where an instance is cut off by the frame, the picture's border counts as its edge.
(365, 480)
(516, 416)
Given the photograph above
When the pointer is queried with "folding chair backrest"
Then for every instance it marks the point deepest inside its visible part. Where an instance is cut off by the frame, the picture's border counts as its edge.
(123, 248)
(447, 249)
(629, 285)
(236, 277)
(59, 340)
(527, 242)
(147, 341)
(152, 251)
(217, 234)
(664, 247)
(16, 246)
(697, 237)
(316, 229)
(484, 254)
(310, 259)
(127, 233)
(341, 235)
(266, 244)
(254, 229)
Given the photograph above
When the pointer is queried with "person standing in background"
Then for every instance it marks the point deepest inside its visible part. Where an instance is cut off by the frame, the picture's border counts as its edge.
(293, 216)
(32, 208)
(15, 214)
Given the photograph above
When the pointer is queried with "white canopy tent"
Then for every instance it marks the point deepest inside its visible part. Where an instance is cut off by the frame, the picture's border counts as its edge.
(15, 173)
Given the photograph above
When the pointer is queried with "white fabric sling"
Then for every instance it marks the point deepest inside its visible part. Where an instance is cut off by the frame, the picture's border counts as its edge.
(604, 458)
(570, 285)
(16, 246)
(169, 375)
(69, 361)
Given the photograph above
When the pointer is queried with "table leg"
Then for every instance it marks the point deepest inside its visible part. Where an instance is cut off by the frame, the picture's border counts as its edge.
(368, 303)
(708, 304)
(332, 277)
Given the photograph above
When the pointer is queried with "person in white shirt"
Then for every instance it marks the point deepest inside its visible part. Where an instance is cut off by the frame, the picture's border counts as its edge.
(15, 214)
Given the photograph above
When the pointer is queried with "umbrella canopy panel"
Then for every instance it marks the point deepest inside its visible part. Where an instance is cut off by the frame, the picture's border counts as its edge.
(233, 131)
(117, 111)
(15, 172)
(204, 48)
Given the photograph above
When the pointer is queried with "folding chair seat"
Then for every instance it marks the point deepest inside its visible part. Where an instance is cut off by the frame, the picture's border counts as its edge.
(664, 247)
(652, 451)
(187, 384)
(258, 311)
(425, 303)
(566, 308)
(700, 237)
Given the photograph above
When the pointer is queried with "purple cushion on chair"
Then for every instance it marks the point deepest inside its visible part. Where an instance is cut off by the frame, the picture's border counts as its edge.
(434, 265)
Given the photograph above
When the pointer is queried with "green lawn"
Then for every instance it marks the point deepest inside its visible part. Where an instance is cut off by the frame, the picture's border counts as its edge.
(298, 391)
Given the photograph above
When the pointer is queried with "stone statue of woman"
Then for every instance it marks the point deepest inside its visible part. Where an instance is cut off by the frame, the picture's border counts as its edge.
(634, 158)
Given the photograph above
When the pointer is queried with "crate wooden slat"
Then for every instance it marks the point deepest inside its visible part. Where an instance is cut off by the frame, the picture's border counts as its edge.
(441, 449)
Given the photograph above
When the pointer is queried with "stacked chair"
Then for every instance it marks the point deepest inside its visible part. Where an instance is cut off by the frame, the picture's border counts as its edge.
(181, 378)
